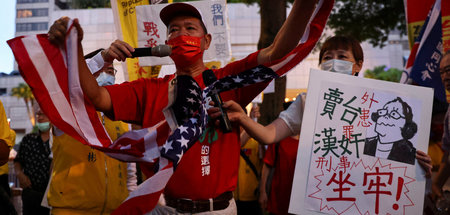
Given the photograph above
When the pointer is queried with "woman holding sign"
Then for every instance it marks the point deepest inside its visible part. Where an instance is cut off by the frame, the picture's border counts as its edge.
(340, 54)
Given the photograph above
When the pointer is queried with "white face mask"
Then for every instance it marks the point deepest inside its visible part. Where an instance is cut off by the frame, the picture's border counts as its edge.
(339, 66)
(105, 79)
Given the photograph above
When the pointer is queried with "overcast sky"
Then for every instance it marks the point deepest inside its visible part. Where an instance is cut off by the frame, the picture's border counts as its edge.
(7, 26)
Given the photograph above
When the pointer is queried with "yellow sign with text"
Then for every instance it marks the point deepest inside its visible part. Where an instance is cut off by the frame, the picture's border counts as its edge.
(126, 25)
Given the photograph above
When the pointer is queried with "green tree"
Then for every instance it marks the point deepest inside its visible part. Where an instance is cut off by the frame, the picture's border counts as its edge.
(368, 20)
(384, 73)
(23, 91)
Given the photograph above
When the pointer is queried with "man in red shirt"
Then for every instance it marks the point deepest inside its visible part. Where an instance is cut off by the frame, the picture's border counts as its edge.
(207, 174)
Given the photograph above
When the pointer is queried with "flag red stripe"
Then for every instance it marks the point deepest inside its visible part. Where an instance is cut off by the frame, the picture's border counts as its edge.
(37, 86)
(56, 59)
(302, 50)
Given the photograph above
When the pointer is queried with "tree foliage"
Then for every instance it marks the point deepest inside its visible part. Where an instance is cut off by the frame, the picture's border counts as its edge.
(23, 91)
(368, 20)
(384, 73)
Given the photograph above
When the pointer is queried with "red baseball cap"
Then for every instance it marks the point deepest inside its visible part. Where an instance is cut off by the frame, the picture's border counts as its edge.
(179, 9)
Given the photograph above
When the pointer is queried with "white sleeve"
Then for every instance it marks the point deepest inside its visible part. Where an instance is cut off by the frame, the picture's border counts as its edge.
(293, 115)
(95, 63)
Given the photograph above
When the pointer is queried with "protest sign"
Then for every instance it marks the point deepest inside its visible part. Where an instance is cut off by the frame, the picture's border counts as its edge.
(357, 147)
(152, 31)
(124, 12)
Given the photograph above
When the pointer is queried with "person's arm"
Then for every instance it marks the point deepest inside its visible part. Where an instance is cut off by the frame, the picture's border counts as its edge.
(272, 133)
(290, 33)
(24, 181)
(98, 95)
(262, 186)
(244, 138)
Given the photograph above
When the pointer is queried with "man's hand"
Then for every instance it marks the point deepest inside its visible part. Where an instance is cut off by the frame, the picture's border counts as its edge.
(23, 180)
(425, 162)
(263, 200)
(57, 32)
(118, 50)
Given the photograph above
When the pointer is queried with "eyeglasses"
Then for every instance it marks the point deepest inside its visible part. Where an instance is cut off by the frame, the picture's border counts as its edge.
(393, 114)
(110, 71)
(444, 70)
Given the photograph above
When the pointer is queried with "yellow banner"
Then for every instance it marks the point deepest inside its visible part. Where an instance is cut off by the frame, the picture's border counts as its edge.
(414, 31)
(446, 32)
(125, 20)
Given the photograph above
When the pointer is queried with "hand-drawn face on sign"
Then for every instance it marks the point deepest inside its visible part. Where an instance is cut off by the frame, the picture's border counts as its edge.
(394, 127)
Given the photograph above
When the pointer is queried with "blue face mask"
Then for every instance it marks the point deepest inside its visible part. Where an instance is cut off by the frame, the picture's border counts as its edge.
(43, 126)
(339, 66)
(105, 79)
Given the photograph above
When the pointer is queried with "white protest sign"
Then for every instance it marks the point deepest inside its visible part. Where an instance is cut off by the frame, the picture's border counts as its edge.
(152, 31)
(357, 146)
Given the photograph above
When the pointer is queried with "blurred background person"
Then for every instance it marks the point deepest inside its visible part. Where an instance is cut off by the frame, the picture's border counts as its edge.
(32, 165)
(278, 173)
(250, 163)
(7, 140)
(444, 168)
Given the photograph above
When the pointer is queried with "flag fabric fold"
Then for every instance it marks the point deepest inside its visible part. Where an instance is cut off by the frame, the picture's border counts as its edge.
(423, 62)
(56, 87)
(52, 74)
(309, 39)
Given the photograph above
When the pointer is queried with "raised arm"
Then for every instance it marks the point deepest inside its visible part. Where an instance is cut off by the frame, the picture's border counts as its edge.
(290, 33)
(263, 198)
(98, 95)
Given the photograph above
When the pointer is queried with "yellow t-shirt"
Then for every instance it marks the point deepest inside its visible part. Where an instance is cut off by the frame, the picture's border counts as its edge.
(6, 134)
(247, 181)
(84, 180)
(4, 127)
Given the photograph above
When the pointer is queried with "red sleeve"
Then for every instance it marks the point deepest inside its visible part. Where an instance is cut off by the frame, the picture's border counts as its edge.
(238, 66)
(244, 95)
(131, 94)
(269, 156)
(131, 100)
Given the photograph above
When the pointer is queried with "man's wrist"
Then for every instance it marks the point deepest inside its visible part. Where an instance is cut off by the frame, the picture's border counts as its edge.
(105, 60)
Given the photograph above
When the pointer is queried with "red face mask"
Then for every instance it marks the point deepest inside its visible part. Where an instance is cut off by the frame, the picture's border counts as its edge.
(185, 50)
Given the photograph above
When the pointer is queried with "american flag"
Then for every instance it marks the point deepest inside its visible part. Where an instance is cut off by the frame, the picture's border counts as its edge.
(55, 85)
(52, 74)
(192, 101)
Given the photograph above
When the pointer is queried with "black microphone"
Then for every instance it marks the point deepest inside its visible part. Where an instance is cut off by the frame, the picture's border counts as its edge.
(209, 78)
(157, 51)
